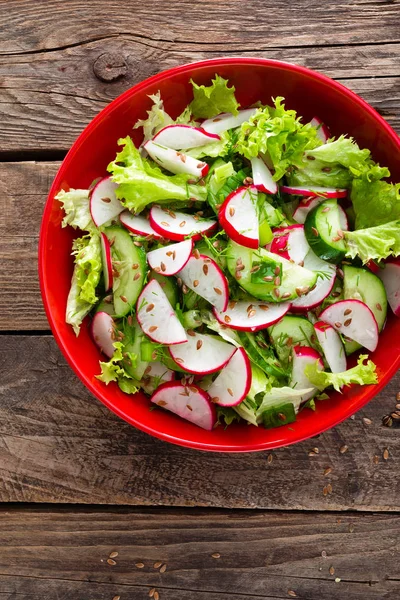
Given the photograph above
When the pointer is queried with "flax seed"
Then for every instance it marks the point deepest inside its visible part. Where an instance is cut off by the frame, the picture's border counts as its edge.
(227, 319)
(270, 458)
(156, 595)
(117, 598)
(152, 592)
(347, 322)
(331, 570)
(343, 449)
(215, 399)
(375, 460)
(205, 269)
(387, 421)
(195, 283)
(292, 593)
(199, 344)
(263, 306)
(165, 224)
(315, 231)
(124, 298)
(163, 267)
(238, 275)
(348, 311)
(325, 491)
(153, 328)
(240, 268)
(135, 266)
(327, 471)
(106, 200)
(231, 211)
(378, 306)
(326, 209)
(150, 307)
(161, 403)
(218, 291)
(136, 276)
(232, 304)
(277, 270)
(139, 565)
(111, 562)
(113, 555)
(182, 224)
(277, 292)
(196, 253)
(367, 421)
(340, 234)
(338, 324)
(385, 454)
(336, 238)
(251, 314)
(268, 278)
(164, 567)
(286, 295)
(277, 281)
(191, 332)
(230, 391)
(216, 555)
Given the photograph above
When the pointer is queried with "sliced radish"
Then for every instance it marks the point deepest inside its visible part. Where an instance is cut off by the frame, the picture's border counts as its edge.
(103, 328)
(182, 137)
(315, 192)
(353, 319)
(202, 354)
(177, 225)
(322, 130)
(104, 205)
(323, 286)
(290, 242)
(189, 402)
(390, 277)
(226, 121)
(202, 275)
(138, 224)
(107, 263)
(251, 315)
(308, 204)
(233, 383)
(156, 316)
(262, 177)
(170, 259)
(155, 374)
(303, 356)
(238, 216)
(174, 161)
(332, 346)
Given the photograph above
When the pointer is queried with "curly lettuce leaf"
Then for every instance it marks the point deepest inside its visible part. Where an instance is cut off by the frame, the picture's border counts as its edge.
(362, 373)
(278, 395)
(226, 416)
(77, 309)
(157, 118)
(113, 370)
(141, 182)
(280, 133)
(88, 266)
(76, 207)
(375, 202)
(209, 101)
(374, 243)
(219, 148)
(343, 151)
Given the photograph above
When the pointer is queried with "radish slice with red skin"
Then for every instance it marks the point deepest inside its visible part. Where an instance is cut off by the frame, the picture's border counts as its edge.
(202, 275)
(177, 226)
(104, 204)
(202, 353)
(290, 242)
(332, 346)
(353, 319)
(305, 206)
(226, 121)
(138, 224)
(238, 217)
(315, 192)
(302, 356)
(107, 263)
(262, 177)
(176, 162)
(156, 316)
(156, 373)
(322, 130)
(251, 315)
(188, 402)
(182, 137)
(168, 260)
(390, 277)
(103, 328)
(323, 286)
(233, 383)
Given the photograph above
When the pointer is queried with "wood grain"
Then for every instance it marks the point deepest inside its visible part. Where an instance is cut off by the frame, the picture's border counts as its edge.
(59, 444)
(49, 553)
(48, 97)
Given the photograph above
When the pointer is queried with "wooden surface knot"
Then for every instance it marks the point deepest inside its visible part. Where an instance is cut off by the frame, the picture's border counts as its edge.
(110, 66)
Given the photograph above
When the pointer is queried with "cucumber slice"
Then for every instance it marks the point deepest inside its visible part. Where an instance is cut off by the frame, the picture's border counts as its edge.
(279, 414)
(324, 233)
(133, 337)
(272, 215)
(127, 281)
(106, 305)
(291, 277)
(289, 332)
(362, 284)
(169, 286)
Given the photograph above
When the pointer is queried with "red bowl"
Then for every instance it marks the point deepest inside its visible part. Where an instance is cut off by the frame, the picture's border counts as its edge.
(255, 79)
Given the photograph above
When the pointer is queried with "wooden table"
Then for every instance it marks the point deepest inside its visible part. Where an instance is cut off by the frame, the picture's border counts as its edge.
(314, 521)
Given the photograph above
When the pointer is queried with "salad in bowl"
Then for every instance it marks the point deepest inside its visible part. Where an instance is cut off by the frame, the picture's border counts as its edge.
(232, 262)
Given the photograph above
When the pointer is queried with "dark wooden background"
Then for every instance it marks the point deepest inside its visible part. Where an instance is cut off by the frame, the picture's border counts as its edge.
(76, 483)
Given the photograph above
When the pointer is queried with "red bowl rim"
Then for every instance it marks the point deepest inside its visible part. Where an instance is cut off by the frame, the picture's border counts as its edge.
(366, 395)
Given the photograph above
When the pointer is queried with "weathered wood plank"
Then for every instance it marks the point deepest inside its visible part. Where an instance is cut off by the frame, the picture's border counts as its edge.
(46, 551)
(59, 444)
(47, 98)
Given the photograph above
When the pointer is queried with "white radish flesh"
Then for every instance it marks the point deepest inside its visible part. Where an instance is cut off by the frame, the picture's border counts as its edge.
(332, 347)
(322, 130)
(262, 177)
(177, 226)
(155, 374)
(355, 320)
(104, 205)
(176, 162)
(202, 275)
(323, 286)
(202, 353)
(226, 121)
(390, 277)
(316, 191)
(233, 383)
(182, 137)
(303, 356)
(138, 224)
(103, 328)
(290, 242)
(238, 216)
(188, 402)
(301, 212)
(107, 263)
(156, 316)
(251, 315)
(168, 260)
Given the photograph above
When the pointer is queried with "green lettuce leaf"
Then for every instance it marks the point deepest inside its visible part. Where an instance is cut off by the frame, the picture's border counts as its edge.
(88, 266)
(209, 101)
(113, 370)
(343, 151)
(219, 148)
(280, 133)
(374, 243)
(362, 373)
(259, 382)
(141, 182)
(226, 416)
(375, 202)
(76, 207)
(77, 309)
(277, 395)
(157, 118)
